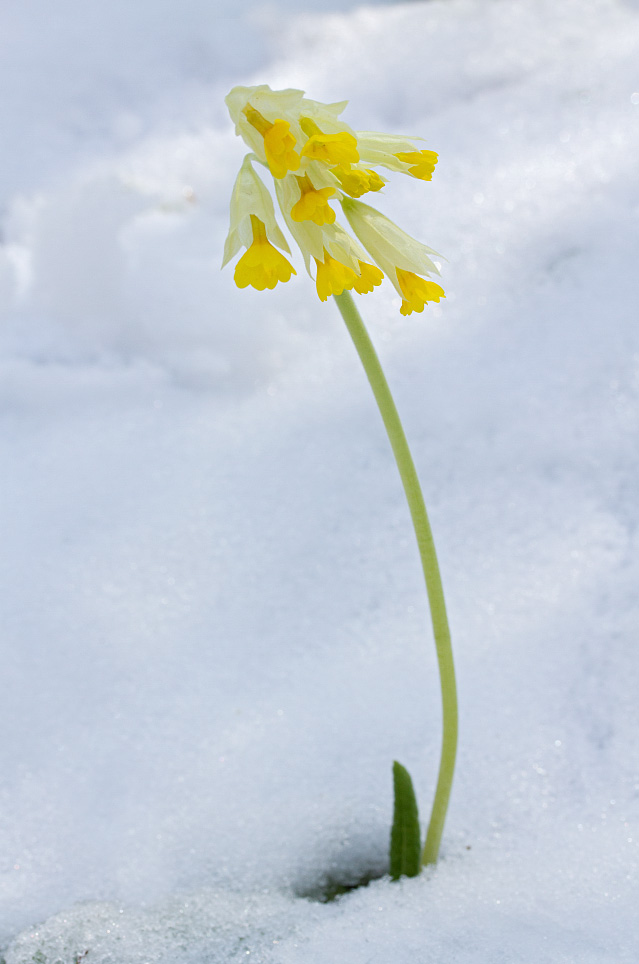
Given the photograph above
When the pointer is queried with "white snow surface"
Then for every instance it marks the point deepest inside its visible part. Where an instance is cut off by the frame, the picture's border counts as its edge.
(215, 637)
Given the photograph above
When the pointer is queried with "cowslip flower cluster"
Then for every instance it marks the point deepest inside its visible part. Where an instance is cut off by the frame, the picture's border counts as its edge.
(316, 160)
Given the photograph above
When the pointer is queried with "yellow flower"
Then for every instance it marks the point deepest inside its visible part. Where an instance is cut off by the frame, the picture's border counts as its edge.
(401, 257)
(249, 200)
(397, 153)
(278, 142)
(262, 266)
(313, 204)
(423, 163)
(335, 149)
(370, 276)
(315, 156)
(416, 291)
(333, 277)
(278, 147)
(357, 182)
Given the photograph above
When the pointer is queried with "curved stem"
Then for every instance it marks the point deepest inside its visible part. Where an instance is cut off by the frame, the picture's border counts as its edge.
(426, 545)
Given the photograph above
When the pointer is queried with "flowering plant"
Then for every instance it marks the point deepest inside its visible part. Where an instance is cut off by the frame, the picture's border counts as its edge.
(316, 159)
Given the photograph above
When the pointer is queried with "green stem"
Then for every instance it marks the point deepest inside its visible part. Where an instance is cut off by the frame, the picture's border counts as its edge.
(426, 545)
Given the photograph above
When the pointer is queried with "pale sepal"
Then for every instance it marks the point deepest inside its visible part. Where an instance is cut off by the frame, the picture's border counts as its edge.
(310, 237)
(378, 148)
(251, 196)
(387, 244)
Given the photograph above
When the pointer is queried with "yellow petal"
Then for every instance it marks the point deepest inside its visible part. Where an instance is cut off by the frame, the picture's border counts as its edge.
(333, 277)
(370, 276)
(262, 266)
(356, 182)
(332, 148)
(313, 206)
(423, 161)
(417, 291)
(278, 147)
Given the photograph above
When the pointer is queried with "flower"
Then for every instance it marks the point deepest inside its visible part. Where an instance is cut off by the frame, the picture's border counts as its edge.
(397, 154)
(358, 181)
(261, 266)
(401, 257)
(315, 158)
(253, 223)
(336, 150)
(423, 163)
(313, 204)
(333, 277)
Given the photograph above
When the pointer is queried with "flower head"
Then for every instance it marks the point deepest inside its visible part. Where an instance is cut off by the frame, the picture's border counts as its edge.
(315, 159)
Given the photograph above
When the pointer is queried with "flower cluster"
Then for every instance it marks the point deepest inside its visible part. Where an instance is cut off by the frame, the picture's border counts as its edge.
(315, 159)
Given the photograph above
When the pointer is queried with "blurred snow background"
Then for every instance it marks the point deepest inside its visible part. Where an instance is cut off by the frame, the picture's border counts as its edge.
(214, 634)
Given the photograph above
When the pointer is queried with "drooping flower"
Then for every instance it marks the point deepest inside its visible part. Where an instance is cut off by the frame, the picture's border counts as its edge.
(254, 226)
(397, 154)
(423, 163)
(357, 181)
(262, 265)
(278, 147)
(333, 277)
(369, 277)
(313, 203)
(402, 258)
(417, 291)
(336, 150)
(315, 158)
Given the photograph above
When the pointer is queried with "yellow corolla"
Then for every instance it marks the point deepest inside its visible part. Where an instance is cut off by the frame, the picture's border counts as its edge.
(262, 266)
(278, 147)
(334, 149)
(421, 163)
(369, 277)
(417, 291)
(313, 204)
(333, 277)
(356, 182)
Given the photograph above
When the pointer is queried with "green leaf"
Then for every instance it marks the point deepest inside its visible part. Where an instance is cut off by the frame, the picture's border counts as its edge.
(405, 847)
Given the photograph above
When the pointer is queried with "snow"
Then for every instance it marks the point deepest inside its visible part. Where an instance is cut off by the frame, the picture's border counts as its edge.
(215, 636)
